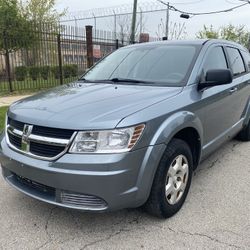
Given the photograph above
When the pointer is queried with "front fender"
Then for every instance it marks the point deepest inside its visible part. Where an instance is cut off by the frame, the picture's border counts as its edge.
(175, 123)
(171, 126)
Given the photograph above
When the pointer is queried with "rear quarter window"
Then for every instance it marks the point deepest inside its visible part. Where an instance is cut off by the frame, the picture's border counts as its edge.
(246, 56)
(236, 61)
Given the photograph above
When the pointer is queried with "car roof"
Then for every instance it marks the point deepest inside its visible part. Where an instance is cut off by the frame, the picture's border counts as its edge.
(196, 42)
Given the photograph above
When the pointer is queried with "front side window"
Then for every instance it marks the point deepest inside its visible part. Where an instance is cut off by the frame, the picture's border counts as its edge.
(165, 64)
(215, 60)
(236, 61)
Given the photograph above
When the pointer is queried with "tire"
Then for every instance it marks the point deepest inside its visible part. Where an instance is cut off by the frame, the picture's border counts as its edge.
(161, 203)
(244, 135)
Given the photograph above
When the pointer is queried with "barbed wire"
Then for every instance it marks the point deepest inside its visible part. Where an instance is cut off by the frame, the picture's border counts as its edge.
(173, 8)
(143, 7)
(123, 9)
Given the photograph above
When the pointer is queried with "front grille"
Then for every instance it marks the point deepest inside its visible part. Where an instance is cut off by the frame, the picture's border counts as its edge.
(16, 124)
(45, 150)
(43, 142)
(35, 185)
(52, 132)
(14, 140)
(82, 200)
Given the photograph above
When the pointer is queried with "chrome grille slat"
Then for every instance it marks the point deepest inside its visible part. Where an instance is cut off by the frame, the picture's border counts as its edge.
(37, 138)
(76, 195)
(82, 200)
(42, 147)
(14, 131)
(16, 124)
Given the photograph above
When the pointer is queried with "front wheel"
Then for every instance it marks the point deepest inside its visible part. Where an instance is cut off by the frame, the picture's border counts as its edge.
(172, 180)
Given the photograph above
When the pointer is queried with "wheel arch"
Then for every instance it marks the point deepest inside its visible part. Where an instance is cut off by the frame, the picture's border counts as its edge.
(182, 125)
(191, 136)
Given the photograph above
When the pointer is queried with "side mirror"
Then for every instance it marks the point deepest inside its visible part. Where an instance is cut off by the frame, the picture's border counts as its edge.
(216, 77)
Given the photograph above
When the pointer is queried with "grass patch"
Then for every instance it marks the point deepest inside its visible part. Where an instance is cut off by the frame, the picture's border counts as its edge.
(2, 116)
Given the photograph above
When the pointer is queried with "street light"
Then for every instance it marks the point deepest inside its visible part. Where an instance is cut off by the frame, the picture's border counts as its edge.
(186, 16)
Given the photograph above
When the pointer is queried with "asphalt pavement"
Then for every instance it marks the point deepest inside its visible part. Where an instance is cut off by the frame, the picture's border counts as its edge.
(216, 215)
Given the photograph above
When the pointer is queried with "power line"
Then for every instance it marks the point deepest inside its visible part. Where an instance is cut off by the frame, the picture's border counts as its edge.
(187, 3)
(230, 2)
(171, 7)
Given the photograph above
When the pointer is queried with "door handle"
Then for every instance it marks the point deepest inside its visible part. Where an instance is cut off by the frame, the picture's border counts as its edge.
(232, 90)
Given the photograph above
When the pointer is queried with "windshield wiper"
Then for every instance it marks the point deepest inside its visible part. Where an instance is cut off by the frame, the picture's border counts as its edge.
(126, 80)
(115, 80)
(87, 81)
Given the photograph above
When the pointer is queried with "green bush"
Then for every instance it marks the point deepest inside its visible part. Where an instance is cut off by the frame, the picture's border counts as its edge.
(34, 72)
(21, 73)
(44, 71)
(55, 70)
(70, 70)
(67, 71)
(74, 70)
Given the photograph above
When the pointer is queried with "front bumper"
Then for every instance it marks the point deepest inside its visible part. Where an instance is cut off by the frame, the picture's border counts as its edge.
(86, 182)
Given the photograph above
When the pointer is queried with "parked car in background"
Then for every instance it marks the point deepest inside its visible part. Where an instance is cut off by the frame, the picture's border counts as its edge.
(132, 130)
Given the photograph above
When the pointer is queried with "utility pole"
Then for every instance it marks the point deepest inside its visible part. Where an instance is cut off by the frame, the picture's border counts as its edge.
(167, 23)
(115, 34)
(248, 43)
(132, 36)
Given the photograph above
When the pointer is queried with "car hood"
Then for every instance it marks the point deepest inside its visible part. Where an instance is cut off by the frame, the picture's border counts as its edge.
(87, 105)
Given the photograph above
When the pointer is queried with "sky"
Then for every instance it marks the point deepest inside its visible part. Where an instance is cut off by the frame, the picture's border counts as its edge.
(239, 16)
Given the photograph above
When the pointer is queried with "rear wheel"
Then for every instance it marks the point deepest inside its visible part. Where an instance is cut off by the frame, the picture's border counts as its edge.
(172, 180)
(244, 135)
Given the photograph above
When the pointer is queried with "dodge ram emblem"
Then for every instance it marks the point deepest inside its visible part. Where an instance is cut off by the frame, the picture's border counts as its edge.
(25, 137)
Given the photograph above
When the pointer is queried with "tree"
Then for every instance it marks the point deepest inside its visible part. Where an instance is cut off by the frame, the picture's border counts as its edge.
(123, 27)
(15, 29)
(177, 31)
(41, 12)
(45, 19)
(208, 32)
(230, 32)
(15, 32)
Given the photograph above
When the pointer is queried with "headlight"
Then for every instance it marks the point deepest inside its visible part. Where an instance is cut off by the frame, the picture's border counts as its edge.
(106, 141)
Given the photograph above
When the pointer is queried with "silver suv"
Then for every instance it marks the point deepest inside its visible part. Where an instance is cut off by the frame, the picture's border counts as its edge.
(132, 130)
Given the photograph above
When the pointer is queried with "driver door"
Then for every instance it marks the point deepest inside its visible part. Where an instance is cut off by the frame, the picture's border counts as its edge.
(218, 101)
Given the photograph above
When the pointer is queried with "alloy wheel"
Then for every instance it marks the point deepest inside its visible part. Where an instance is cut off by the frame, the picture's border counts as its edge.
(176, 179)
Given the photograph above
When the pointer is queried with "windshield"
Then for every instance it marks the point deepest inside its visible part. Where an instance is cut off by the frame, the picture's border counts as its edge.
(165, 65)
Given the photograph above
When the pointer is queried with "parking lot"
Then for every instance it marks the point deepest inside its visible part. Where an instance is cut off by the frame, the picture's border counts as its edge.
(216, 215)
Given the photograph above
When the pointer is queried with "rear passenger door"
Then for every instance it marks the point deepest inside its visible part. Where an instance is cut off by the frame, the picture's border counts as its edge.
(240, 85)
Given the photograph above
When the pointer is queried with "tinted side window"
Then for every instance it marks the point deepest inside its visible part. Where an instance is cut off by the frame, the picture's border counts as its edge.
(215, 60)
(236, 61)
(246, 57)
